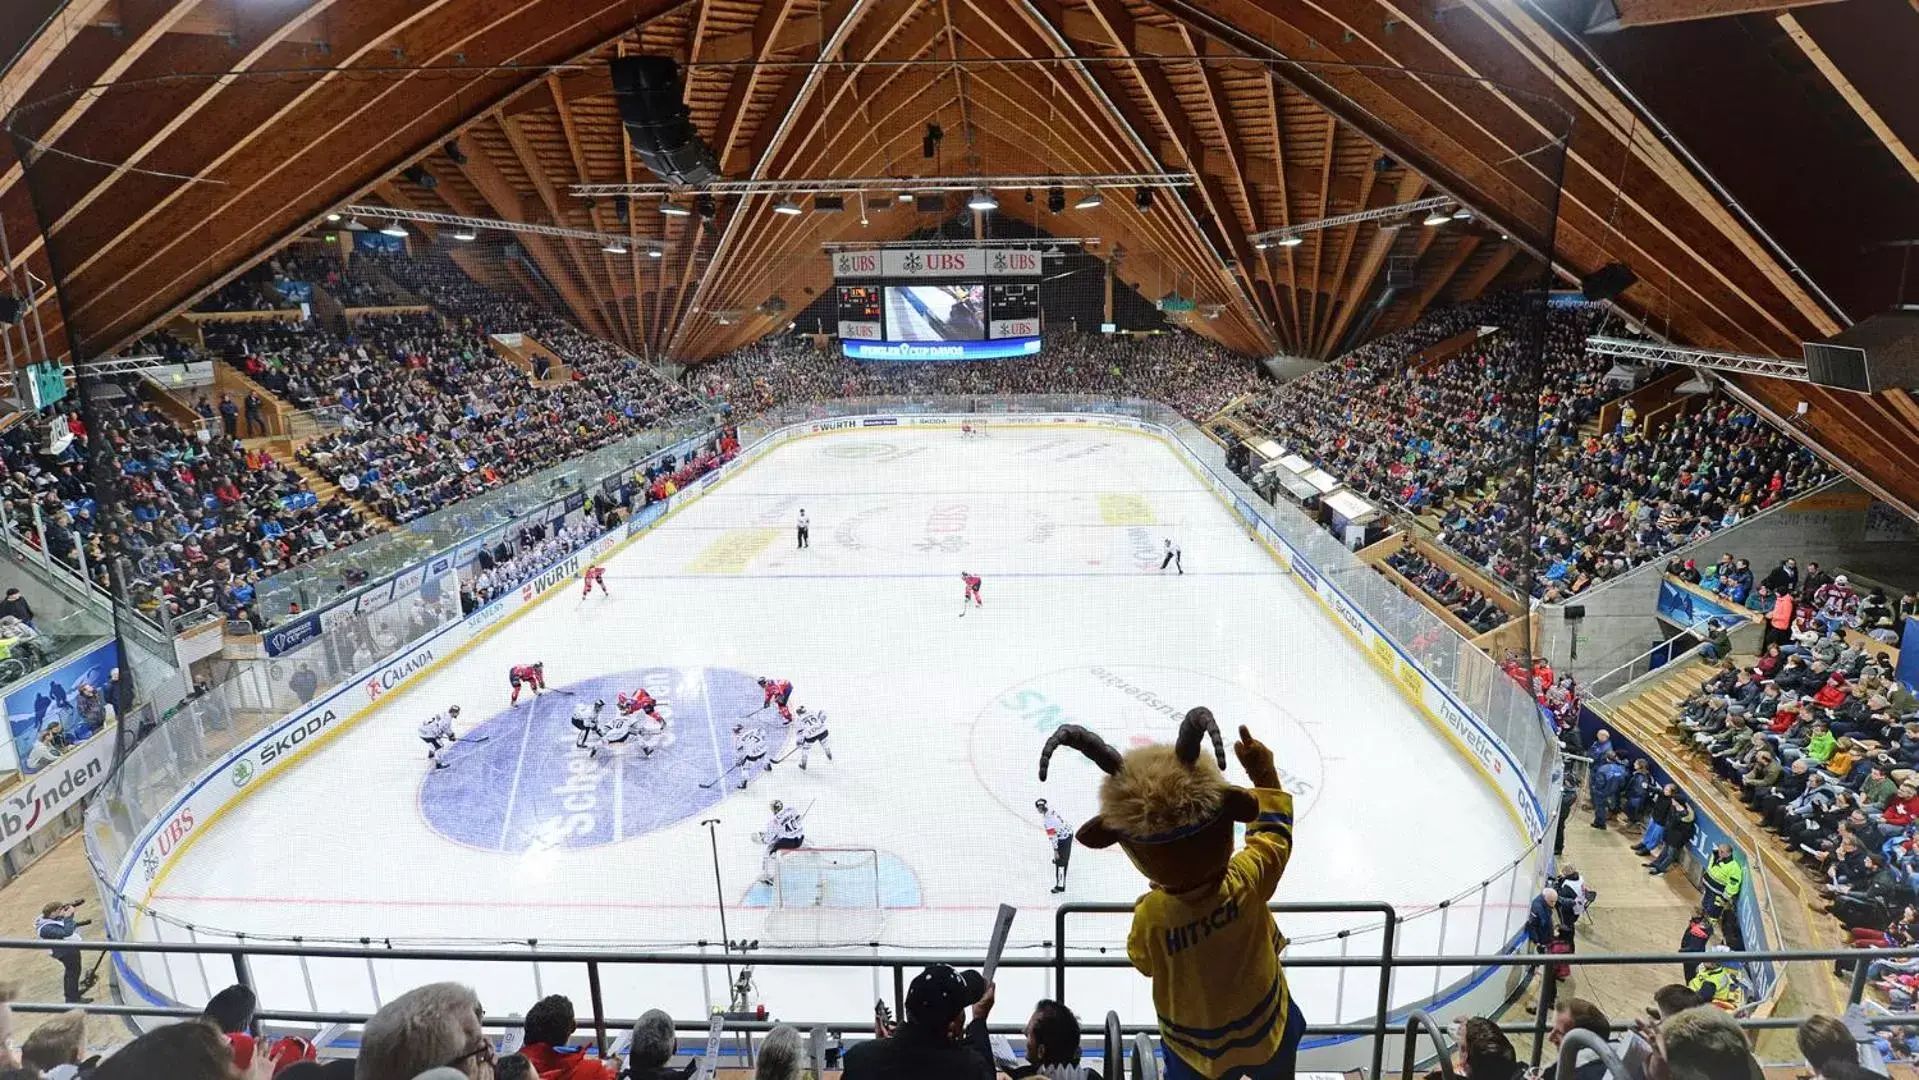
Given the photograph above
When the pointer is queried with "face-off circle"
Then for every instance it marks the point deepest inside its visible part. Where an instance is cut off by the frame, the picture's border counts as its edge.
(528, 787)
(1128, 705)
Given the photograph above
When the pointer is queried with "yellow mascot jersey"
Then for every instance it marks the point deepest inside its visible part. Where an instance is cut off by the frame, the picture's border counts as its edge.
(1213, 954)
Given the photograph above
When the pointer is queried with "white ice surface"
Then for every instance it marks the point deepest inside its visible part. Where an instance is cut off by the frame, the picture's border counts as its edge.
(936, 723)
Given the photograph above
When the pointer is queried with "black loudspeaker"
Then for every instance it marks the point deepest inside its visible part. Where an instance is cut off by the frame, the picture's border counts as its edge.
(1055, 200)
(10, 309)
(1607, 282)
(653, 108)
(1575, 612)
(1143, 198)
(421, 177)
(929, 204)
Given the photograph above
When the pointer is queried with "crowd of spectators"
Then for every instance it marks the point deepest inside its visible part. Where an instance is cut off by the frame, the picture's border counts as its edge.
(431, 414)
(198, 518)
(1442, 437)
(359, 283)
(436, 1032)
(1186, 371)
(1793, 602)
(1820, 740)
(1470, 605)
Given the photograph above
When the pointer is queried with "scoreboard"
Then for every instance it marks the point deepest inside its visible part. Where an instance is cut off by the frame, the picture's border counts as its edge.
(948, 303)
(1013, 311)
(860, 312)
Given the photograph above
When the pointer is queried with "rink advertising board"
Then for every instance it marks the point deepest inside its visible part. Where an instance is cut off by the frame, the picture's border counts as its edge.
(54, 790)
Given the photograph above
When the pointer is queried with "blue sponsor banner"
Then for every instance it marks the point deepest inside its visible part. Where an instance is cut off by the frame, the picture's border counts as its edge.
(645, 516)
(288, 636)
(575, 501)
(1908, 670)
(879, 421)
(49, 715)
(1685, 607)
(294, 292)
(921, 352)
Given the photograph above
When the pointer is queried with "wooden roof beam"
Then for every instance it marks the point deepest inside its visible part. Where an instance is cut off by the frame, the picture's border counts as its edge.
(319, 153)
(1411, 186)
(1881, 130)
(1476, 283)
(529, 159)
(1625, 14)
(593, 212)
(1442, 274)
(493, 186)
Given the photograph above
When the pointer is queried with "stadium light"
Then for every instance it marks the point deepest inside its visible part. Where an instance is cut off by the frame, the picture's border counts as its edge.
(466, 234)
(1462, 214)
(787, 207)
(655, 253)
(1290, 241)
(982, 200)
(906, 196)
(1438, 217)
(333, 217)
(614, 248)
(675, 210)
(1261, 245)
(394, 228)
(1092, 200)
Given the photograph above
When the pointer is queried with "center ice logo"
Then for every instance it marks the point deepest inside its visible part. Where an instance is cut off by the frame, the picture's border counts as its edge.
(529, 787)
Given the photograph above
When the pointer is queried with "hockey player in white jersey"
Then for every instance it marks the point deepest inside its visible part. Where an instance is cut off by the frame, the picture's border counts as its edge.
(648, 731)
(437, 733)
(812, 733)
(644, 730)
(586, 721)
(784, 831)
(1059, 835)
(749, 753)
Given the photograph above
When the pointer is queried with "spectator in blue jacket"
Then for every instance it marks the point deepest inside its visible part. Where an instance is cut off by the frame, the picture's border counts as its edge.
(1608, 783)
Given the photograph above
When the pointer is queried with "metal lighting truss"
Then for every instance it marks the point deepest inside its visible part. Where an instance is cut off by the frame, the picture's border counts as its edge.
(108, 366)
(808, 185)
(1654, 352)
(1027, 242)
(430, 217)
(1273, 236)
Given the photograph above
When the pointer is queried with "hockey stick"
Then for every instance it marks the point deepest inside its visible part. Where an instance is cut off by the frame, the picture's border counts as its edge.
(474, 738)
(722, 776)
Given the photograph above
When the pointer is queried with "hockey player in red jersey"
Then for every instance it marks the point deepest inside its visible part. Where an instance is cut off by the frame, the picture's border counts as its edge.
(778, 692)
(638, 701)
(972, 592)
(533, 675)
(595, 575)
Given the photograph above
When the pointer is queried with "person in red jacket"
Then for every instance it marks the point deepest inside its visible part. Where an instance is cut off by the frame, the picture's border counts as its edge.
(1901, 812)
(549, 1035)
(1833, 694)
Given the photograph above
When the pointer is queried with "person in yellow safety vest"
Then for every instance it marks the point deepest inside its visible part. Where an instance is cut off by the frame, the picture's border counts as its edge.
(1722, 881)
(1716, 984)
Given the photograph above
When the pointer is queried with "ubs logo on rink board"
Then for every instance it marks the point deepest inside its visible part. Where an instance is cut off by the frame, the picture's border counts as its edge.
(1129, 705)
(566, 797)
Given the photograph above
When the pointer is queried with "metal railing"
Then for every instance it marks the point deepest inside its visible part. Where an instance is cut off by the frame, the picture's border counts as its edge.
(241, 960)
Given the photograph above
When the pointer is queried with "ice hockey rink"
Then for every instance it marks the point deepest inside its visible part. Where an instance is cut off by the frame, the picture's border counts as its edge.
(936, 724)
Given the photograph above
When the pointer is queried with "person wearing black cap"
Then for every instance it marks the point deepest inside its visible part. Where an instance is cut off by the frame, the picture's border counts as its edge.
(934, 1043)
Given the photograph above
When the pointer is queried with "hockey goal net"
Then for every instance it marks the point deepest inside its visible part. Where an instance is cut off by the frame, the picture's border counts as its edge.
(825, 896)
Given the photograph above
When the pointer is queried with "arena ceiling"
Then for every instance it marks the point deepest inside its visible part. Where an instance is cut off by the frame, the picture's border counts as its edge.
(1741, 163)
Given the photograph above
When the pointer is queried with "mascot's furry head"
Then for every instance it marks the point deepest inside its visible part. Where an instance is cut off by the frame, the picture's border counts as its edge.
(1169, 807)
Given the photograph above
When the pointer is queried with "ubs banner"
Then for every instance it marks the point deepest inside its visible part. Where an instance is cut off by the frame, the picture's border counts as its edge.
(940, 262)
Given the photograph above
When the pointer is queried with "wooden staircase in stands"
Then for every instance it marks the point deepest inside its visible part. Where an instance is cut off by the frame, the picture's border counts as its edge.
(1646, 717)
(283, 451)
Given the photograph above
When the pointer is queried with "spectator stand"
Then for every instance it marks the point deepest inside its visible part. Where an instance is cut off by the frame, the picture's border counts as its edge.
(1759, 921)
(1648, 406)
(543, 365)
(1616, 628)
(1407, 560)
(1638, 715)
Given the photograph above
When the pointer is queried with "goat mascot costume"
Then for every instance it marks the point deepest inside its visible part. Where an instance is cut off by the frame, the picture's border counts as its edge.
(1202, 934)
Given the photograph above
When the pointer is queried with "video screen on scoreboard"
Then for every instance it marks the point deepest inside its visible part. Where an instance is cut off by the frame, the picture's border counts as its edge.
(936, 312)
